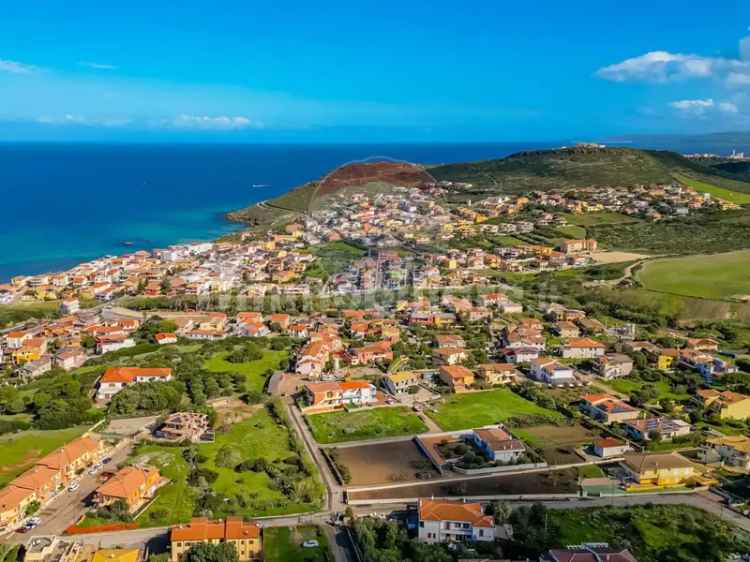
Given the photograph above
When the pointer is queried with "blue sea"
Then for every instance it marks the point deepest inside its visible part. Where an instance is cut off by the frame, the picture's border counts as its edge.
(67, 203)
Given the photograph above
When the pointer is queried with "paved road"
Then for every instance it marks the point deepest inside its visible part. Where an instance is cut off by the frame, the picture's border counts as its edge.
(68, 507)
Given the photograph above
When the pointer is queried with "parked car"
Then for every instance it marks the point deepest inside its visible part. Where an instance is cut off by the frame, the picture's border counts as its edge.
(310, 544)
(73, 486)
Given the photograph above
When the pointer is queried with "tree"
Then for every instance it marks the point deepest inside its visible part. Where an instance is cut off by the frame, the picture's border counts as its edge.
(207, 552)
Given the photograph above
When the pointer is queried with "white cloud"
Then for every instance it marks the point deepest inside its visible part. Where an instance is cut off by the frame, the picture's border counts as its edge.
(76, 119)
(15, 67)
(663, 66)
(208, 123)
(97, 65)
(693, 107)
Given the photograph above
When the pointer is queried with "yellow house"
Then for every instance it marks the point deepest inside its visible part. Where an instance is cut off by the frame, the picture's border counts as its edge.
(727, 404)
(244, 536)
(662, 470)
(13, 505)
(117, 555)
(666, 358)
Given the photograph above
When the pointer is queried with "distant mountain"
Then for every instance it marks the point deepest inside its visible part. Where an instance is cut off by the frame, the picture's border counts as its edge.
(579, 166)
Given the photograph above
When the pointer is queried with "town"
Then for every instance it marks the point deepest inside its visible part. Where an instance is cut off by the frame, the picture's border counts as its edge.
(409, 370)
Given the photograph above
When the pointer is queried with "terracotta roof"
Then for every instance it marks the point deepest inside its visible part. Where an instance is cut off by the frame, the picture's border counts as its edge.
(127, 481)
(433, 510)
(590, 554)
(643, 462)
(456, 371)
(36, 478)
(129, 374)
(11, 497)
(64, 456)
(202, 529)
(608, 442)
(584, 343)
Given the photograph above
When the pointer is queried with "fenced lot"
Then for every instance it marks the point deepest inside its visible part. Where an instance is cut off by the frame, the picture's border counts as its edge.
(555, 482)
(476, 409)
(374, 423)
(557, 442)
(383, 463)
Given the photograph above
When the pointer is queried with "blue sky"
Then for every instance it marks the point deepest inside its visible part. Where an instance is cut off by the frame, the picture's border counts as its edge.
(380, 71)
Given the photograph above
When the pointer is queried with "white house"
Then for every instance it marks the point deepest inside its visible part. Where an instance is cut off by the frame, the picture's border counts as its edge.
(582, 348)
(443, 521)
(549, 370)
(497, 444)
(115, 379)
(335, 394)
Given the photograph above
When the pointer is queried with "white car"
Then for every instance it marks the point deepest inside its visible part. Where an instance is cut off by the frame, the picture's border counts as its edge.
(310, 544)
(34, 521)
(73, 486)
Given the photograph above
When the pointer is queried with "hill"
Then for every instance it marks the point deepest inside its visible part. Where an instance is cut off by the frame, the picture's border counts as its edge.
(579, 167)
(522, 172)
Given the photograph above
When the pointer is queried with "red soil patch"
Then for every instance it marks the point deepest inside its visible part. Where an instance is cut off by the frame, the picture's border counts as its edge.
(362, 173)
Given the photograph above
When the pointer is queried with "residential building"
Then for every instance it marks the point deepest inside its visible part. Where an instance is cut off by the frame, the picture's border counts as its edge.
(445, 522)
(582, 348)
(117, 555)
(733, 450)
(401, 381)
(498, 373)
(608, 409)
(14, 503)
(244, 536)
(73, 457)
(185, 426)
(551, 371)
(726, 404)
(449, 355)
(115, 379)
(165, 338)
(336, 394)
(498, 445)
(133, 485)
(457, 377)
(667, 428)
(608, 447)
(613, 365)
(667, 469)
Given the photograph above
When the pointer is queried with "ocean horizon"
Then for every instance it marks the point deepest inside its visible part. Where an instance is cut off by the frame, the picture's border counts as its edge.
(66, 203)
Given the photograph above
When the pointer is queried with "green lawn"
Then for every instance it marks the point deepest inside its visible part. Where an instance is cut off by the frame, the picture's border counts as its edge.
(246, 493)
(572, 231)
(627, 385)
(253, 370)
(20, 451)
(284, 544)
(376, 423)
(736, 197)
(475, 409)
(714, 276)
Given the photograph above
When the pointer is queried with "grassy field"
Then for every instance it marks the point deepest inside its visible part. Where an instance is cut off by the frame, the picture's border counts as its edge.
(14, 313)
(657, 532)
(246, 493)
(592, 219)
(714, 276)
(336, 256)
(253, 370)
(628, 385)
(736, 197)
(283, 544)
(475, 409)
(336, 427)
(20, 451)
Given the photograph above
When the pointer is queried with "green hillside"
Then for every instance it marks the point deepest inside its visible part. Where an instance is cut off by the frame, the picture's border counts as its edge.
(578, 167)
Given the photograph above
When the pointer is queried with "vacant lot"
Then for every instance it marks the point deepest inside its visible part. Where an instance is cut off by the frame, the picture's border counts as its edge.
(475, 409)
(736, 197)
(383, 463)
(592, 219)
(336, 427)
(254, 371)
(282, 544)
(628, 385)
(248, 493)
(20, 451)
(557, 442)
(714, 276)
(556, 482)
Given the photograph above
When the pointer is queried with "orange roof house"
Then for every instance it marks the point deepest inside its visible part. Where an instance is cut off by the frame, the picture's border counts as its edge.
(132, 484)
(244, 536)
(77, 454)
(457, 377)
